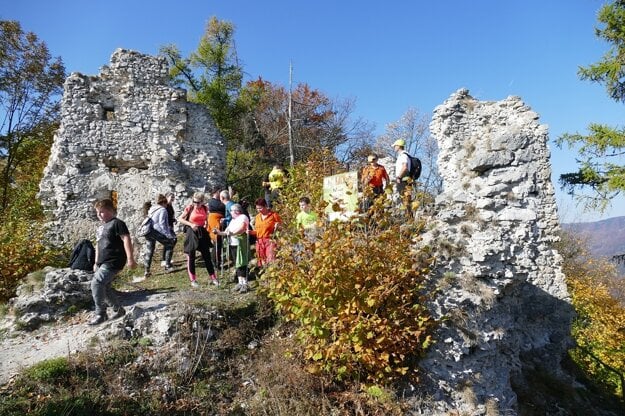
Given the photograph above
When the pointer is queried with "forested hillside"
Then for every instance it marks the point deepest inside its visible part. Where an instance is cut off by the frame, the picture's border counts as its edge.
(605, 237)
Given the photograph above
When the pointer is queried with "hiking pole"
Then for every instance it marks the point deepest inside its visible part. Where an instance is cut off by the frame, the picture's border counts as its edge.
(224, 242)
(247, 266)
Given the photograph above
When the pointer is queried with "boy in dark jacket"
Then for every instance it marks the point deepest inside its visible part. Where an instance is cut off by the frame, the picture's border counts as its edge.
(113, 251)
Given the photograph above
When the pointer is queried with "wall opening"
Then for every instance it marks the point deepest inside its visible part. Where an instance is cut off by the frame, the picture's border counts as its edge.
(109, 113)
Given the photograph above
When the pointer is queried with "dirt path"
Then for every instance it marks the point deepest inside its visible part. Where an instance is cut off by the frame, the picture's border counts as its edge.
(69, 336)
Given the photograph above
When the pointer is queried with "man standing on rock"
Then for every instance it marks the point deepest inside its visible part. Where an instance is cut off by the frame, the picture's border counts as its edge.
(402, 173)
(113, 251)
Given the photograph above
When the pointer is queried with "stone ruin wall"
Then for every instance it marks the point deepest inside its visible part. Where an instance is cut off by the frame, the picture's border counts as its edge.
(126, 132)
(498, 280)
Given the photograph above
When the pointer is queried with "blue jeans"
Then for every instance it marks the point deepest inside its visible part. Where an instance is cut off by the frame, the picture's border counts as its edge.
(150, 242)
(102, 291)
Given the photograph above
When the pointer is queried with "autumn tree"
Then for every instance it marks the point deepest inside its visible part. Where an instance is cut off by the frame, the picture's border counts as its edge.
(600, 163)
(413, 128)
(30, 82)
(599, 328)
(318, 122)
(212, 74)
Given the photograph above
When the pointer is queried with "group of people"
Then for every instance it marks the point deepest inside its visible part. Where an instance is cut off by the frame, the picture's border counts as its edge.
(208, 226)
(375, 178)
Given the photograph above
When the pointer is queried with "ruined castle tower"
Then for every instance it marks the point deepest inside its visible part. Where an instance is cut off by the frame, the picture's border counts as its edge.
(126, 134)
(499, 289)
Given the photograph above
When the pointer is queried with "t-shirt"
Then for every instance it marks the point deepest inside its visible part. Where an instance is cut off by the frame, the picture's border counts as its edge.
(198, 214)
(401, 159)
(306, 220)
(374, 176)
(264, 228)
(110, 244)
(238, 226)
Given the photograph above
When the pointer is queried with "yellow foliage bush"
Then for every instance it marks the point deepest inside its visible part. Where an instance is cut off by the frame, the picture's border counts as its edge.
(23, 246)
(599, 329)
(22, 250)
(357, 290)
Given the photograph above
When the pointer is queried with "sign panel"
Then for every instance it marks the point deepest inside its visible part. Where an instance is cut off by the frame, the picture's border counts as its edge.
(341, 193)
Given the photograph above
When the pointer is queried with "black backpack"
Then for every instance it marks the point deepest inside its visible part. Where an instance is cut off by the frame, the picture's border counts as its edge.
(415, 167)
(83, 256)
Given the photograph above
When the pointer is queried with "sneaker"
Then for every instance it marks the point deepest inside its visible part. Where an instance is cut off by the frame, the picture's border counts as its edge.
(215, 282)
(244, 288)
(237, 287)
(169, 268)
(138, 279)
(164, 263)
(98, 319)
(118, 313)
(194, 283)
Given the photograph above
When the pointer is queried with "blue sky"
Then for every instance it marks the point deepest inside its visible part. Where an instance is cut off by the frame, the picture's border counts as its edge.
(387, 56)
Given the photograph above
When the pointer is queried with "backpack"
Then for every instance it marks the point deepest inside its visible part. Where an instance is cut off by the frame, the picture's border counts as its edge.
(146, 227)
(415, 167)
(83, 256)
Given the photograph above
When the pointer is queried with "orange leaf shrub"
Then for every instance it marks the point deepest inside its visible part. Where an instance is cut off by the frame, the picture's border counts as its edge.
(356, 290)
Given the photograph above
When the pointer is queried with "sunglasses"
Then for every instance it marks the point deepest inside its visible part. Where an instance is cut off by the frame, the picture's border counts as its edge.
(197, 202)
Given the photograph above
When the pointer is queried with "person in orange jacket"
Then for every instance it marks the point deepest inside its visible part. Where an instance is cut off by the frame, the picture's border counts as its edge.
(265, 225)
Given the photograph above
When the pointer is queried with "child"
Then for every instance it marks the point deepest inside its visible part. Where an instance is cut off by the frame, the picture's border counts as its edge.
(306, 218)
(114, 250)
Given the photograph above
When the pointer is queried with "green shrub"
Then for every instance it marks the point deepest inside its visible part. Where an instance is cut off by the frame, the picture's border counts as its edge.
(357, 292)
(49, 370)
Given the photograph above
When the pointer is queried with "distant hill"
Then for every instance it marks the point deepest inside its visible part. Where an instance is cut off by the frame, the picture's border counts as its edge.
(605, 237)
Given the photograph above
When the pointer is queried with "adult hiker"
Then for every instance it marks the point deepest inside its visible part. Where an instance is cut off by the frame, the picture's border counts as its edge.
(402, 173)
(160, 232)
(171, 221)
(374, 179)
(197, 238)
(266, 223)
(273, 184)
(237, 234)
(216, 213)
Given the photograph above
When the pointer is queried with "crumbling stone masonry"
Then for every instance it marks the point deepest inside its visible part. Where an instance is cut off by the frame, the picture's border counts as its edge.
(499, 282)
(126, 134)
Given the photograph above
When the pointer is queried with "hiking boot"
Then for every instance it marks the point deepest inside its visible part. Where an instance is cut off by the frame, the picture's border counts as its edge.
(118, 313)
(138, 279)
(194, 283)
(98, 319)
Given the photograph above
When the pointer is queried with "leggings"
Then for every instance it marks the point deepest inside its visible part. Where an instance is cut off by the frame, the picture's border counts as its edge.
(204, 249)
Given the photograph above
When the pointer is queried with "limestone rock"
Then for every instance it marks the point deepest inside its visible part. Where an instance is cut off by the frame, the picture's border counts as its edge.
(502, 290)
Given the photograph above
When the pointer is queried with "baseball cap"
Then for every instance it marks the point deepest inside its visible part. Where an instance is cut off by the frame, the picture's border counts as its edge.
(399, 142)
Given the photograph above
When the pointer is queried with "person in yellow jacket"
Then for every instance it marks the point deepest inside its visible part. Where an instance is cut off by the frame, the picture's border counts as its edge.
(273, 183)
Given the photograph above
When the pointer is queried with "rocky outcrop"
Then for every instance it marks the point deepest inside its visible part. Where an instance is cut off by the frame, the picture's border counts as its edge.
(499, 284)
(127, 135)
